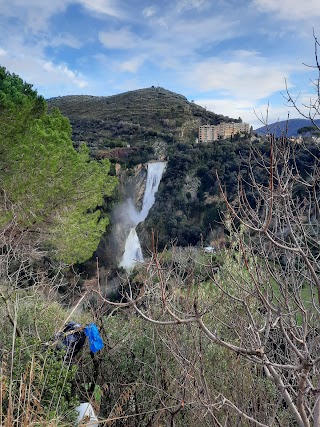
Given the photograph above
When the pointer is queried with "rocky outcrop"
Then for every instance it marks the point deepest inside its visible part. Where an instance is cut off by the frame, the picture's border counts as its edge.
(191, 186)
(134, 184)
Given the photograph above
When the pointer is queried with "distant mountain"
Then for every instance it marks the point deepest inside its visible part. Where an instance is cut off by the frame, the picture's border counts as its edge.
(135, 117)
(279, 128)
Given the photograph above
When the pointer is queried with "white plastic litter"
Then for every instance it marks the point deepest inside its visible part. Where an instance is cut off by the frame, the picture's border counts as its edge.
(86, 413)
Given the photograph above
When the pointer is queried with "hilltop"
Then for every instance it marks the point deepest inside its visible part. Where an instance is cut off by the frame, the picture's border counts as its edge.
(135, 117)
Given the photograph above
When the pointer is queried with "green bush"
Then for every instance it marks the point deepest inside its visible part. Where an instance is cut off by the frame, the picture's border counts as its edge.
(37, 384)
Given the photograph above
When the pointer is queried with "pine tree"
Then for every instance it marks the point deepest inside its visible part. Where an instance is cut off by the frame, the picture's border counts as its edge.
(47, 187)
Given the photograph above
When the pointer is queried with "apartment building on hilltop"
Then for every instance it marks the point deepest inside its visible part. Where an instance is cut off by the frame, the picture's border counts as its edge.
(210, 133)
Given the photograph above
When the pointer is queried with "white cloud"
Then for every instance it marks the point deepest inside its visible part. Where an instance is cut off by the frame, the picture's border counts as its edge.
(33, 14)
(2, 52)
(229, 107)
(290, 9)
(194, 33)
(61, 71)
(242, 76)
(65, 40)
(132, 65)
(48, 77)
(116, 67)
(121, 39)
(149, 11)
(171, 41)
(168, 49)
(173, 37)
(241, 84)
(106, 7)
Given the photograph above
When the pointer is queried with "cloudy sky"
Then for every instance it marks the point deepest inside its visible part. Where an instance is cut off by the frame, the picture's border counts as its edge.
(231, 56)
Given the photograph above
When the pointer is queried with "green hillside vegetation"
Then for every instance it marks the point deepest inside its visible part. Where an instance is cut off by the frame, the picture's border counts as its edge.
(50, 192)
(148, 124)
(188, 203)
(36, 385)
(140, 117)
(162, 369)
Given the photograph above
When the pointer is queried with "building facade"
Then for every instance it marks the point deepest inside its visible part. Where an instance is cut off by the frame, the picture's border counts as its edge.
(209, 133)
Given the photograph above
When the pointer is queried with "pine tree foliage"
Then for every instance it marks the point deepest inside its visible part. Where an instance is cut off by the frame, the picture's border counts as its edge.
(46, 185)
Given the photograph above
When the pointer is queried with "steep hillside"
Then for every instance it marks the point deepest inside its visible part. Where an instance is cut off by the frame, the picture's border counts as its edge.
(134, 118)
(279, 128)
(156, 124)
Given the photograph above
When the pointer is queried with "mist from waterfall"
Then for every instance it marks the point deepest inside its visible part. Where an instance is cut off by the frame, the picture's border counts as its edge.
(133, 252)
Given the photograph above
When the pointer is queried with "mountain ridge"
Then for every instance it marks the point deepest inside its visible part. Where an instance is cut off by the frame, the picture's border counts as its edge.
(133, 117)
(279, 128)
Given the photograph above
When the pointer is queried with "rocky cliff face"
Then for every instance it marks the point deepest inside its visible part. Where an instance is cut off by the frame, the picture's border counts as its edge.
(134, 184)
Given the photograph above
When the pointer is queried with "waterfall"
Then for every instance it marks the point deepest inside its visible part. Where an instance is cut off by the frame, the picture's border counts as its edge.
(155, 171)
(132, 251)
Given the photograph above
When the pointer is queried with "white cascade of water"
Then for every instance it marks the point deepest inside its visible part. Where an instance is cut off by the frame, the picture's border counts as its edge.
(155, 172)
(132, 251)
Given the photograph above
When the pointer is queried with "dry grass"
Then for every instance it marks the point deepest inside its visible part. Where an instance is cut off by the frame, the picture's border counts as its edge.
(34, 381)
(24, 408)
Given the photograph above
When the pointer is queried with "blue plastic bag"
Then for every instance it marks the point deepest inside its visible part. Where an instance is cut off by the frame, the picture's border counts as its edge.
(95, 340)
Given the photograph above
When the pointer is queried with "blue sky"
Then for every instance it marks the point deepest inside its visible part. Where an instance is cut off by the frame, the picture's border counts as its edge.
(231, 56)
